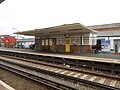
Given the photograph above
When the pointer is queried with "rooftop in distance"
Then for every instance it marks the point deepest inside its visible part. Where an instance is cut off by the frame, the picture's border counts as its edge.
(112, 25)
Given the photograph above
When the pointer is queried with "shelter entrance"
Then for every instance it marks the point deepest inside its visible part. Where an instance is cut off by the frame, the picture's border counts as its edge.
(48, 44)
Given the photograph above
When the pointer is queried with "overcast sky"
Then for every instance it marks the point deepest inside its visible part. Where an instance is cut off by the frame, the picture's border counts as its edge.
(31, 14)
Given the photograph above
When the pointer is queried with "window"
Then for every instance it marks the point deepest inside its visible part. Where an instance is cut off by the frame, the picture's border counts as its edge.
(75, 40)
(60, 41)
(46, 41)
(43, 42)
(72, 41)
(50, 42)
(86, 40)
(78, 41)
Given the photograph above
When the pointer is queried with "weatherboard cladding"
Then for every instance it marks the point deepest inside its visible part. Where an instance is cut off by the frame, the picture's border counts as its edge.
(106, 30)
(109, 33)
(105, 26)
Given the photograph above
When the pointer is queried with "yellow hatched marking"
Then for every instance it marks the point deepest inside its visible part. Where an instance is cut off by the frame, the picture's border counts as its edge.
(113, 83)
(92, 78)
(102, 80)
(84, 76)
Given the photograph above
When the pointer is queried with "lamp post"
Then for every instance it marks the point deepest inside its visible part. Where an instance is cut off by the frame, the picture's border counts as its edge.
(17, 36)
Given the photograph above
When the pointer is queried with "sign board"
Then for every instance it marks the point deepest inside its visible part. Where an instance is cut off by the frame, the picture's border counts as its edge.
(67, 35)
(105, 42)
(105, 45)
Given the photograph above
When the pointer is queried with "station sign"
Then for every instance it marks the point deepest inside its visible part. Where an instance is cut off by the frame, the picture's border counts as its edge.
(105, 44)
(67, 35)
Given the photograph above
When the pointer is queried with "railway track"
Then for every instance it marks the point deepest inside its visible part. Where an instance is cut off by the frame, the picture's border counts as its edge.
(31, 74)
(104, 81)
(100, 64)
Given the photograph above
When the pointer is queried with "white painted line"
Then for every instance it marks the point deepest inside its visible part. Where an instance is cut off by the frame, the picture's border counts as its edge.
(113, 83)
(102, 80)
(76, 75)
(6, 86)
(92, 78)
(84, 76)
(70, 73)
(63, 72)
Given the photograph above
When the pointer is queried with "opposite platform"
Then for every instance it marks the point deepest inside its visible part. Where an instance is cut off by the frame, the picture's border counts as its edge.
(85, 57)
(4, 86)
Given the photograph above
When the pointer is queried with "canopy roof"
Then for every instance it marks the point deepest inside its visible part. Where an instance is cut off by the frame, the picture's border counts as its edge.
(63, 29)
(1, 1)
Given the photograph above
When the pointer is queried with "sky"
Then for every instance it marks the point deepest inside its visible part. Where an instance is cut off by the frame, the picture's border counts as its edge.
(23, 15)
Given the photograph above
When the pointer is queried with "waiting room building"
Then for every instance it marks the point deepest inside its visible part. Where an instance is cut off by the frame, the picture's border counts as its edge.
(65, 38)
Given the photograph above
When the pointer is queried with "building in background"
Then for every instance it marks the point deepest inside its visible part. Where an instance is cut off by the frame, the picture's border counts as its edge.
(24, 41)
(11, 41)
(110, 33)
(7, 41)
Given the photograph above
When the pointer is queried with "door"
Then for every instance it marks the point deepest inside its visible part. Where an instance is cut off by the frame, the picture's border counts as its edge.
(46, 45)
(116, 48)
(67, 45)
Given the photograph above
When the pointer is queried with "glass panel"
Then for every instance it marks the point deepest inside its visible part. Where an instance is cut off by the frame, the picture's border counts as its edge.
(46, 41)
(50, 41)
(43, 42)
(60, 41)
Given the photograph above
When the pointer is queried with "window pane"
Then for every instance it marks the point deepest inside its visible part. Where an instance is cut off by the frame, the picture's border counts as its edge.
(42, 42)
(46, 41)
(50, 41)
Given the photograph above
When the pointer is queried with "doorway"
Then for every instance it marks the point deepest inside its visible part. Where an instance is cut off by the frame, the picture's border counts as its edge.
(48, 44)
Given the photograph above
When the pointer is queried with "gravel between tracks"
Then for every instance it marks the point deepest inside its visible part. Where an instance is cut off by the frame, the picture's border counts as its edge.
(19, 82)
(80, 86)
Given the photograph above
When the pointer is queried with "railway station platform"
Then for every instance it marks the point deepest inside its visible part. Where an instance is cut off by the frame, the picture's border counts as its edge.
(4, 86)
(99, 55)
(102, 61)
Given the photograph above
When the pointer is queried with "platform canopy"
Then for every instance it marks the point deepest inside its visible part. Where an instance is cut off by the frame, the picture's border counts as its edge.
(63, 29)
(1, 1)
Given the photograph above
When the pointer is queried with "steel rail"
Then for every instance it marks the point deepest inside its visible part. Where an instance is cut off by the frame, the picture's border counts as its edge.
(68, 77)
(82, 63)
(49, 83)
(62, 67)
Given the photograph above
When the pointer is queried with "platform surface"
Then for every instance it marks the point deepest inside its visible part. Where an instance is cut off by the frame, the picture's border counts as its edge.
(101, 57)
(4, 86)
